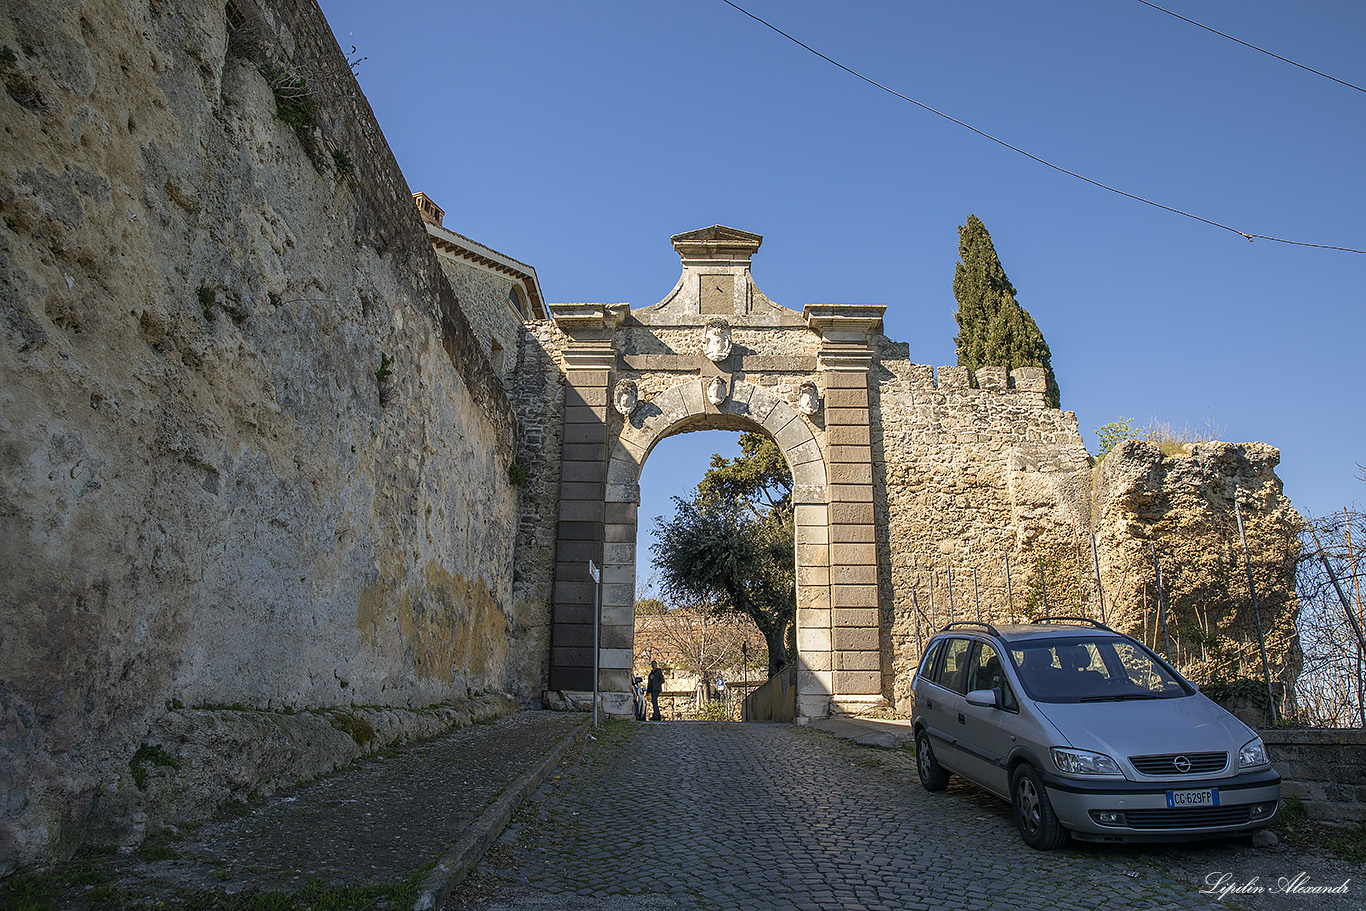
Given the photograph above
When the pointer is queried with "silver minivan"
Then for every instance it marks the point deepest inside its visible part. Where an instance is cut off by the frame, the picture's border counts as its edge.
(1086, 732)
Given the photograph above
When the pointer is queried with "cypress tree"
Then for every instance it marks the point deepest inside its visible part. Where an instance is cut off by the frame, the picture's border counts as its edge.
(993, 329)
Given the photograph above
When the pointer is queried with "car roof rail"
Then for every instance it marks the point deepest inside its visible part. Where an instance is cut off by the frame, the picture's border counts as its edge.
(987, 626)
(1096, 623)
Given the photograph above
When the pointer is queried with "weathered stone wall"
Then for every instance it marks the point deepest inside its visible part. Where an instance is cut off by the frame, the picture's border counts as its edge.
(970, 475)
(1323, 768)
(208, 495)
(483, 296)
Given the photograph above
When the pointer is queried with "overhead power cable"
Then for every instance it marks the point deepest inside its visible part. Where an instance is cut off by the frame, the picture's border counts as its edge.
(1048, 164)
(1252, 46)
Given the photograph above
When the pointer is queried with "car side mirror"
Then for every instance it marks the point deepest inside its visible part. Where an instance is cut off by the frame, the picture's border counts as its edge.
(985, 698)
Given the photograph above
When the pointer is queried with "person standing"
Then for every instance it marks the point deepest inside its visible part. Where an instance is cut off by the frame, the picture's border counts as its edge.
(655, 684)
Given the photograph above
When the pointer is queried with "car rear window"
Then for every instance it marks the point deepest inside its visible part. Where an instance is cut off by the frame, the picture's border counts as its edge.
(1092, 669)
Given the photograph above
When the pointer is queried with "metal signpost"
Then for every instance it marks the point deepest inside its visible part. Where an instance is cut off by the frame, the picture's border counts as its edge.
(597, 623)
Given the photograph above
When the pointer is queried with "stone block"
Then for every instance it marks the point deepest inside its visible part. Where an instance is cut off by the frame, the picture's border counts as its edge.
(805, 514)
(860, 454)
(858, 661)
(857, 683)
(814, 639)
(851, 473)
(857, 417)
(808, 576)
(851, 513)
(920, 376)
(581, 510)
(815, 618)
(810, 476)
(619, 615)
(578, 490)
(623, 513)
(814, 596)
(575, 592)
(617, 532)
(854, 534)
(817, 660)
(589, 472)
(580, 552)
(616, 657)
(813, 555)
(793, 435)
(575, 635)
(991, 379)
(586, 433)
(846, 574)
(853, 554)
(622, 493)
(585, 414)
(619, 573)
(618, 593)
(617, 636)
(622, 471)
(581, 452)
(854, 596)
(585, 395)
(862, 616)
(814, 681)
(844, 379)
(1030, 379)
(807, 453)
(778, 419)
(954, 378)
(851, 435)
(573, 614)
(569, 675)
(812, 534)
(857, 638)
(579, 531)
(847, 398)
(619, 553)
(851, 493)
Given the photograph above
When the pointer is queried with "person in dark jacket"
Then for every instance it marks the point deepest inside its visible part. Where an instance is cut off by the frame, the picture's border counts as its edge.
(655, 685)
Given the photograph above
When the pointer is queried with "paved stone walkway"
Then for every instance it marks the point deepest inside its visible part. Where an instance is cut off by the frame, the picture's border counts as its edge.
(694, 816)
(381, 821)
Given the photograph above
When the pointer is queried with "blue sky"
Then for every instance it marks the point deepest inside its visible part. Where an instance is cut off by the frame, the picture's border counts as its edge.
(579, 136)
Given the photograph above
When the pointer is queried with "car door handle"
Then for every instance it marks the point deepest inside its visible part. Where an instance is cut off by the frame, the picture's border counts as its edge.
(929, 703)
(961, 719)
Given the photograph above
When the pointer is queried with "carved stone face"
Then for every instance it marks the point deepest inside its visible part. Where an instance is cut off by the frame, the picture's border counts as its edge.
(716, 339)
(624, 397)
(716, 391)
(808, 399)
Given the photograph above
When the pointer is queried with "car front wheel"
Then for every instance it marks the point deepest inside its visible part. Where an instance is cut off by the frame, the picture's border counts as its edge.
(932, 775)
(1034, 816)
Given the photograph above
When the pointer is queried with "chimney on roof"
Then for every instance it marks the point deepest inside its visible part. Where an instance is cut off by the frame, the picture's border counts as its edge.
(430, 211)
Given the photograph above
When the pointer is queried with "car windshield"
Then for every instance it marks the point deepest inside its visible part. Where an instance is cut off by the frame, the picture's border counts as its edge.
(1092, 669)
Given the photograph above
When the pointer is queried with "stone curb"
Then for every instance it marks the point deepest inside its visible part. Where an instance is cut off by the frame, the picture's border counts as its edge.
(460, 859)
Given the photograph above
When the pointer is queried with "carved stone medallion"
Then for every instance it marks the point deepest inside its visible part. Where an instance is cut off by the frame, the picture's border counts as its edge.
(716, 339)
(624, 397)
(716, 391)
(808, 399)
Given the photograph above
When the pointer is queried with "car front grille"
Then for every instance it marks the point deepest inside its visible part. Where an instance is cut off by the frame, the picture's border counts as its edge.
(1188, 817)
(1167, 764)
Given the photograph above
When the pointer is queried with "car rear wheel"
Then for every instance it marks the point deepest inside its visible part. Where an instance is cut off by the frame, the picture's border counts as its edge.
(1034, 817)
(932, 775)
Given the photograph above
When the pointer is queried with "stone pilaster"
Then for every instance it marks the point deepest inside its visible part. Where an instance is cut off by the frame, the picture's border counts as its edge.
(845, 359)
(588, 360)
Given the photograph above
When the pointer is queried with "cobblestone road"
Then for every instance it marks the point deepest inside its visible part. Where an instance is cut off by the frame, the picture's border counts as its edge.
(726, 816)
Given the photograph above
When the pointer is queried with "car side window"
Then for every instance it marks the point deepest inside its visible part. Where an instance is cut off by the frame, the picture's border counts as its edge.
(986, 674)
(954, 674)
(928, 663)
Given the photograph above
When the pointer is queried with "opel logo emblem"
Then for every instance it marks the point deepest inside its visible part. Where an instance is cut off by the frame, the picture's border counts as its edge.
(1182, 764)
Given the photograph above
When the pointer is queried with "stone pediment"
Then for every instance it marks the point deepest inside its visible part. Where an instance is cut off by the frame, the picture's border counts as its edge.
(716, 282)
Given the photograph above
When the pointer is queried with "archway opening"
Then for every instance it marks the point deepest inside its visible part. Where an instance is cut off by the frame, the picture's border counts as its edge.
(710, 658)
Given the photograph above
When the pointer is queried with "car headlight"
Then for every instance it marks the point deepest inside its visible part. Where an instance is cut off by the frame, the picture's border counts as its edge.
(1080, 762)
(1253, 755)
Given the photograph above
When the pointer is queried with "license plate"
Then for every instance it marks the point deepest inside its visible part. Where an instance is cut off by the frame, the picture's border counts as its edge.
(1206, 798)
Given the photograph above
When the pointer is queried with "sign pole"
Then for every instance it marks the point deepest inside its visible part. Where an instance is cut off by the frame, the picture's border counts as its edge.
(597, 623)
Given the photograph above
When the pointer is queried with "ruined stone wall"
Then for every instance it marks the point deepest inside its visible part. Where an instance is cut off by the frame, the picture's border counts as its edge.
(969, 475)
(976, 476)
(212, 493)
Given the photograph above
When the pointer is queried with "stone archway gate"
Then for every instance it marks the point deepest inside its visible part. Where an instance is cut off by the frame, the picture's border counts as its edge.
(717, 354)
